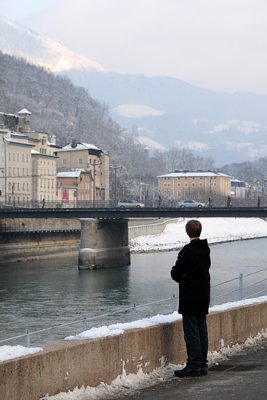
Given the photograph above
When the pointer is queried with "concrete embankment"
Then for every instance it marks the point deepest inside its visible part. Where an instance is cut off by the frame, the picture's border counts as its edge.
(32, 239)
(65, 365)
(148, 227)
(25, 246)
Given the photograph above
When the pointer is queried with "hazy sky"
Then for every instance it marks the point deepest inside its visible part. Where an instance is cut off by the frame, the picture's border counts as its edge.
(216, 44)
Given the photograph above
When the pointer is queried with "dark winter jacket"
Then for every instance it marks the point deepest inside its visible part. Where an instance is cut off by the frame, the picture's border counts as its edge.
(191, 271)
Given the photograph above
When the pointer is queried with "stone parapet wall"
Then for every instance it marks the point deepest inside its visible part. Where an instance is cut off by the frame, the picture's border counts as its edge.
(38, 224)
(149, 229)
(65, 365)
(25, 246)
(57, 224)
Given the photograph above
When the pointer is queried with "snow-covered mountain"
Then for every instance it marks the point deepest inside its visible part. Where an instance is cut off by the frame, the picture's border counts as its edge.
(160, 112)
(165, 112)
(39, 50)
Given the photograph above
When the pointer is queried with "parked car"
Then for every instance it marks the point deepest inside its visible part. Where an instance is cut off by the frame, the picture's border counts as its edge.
(130, 204)
(190, 203)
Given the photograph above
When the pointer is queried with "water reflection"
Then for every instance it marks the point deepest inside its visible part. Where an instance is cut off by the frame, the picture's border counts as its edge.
(41, 294)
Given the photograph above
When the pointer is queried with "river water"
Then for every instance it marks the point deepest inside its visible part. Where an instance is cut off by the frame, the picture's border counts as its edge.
(37, 295)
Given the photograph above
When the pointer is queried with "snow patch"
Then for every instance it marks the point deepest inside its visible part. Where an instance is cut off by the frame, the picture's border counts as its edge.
(9, 352)
(128, 385)
(216, 230)
(137, 111)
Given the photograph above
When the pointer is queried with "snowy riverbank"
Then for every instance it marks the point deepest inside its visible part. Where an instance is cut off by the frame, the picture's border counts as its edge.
(216, 230)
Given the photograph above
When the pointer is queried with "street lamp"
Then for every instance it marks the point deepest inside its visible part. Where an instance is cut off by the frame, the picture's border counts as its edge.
(94, 164)
(143, 190)
(5, 169)
(115, 167)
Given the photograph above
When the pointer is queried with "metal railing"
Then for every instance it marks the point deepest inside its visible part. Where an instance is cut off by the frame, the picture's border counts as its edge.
(239, 292)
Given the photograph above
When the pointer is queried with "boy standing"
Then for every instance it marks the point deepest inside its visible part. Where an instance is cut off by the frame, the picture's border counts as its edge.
(191, 271)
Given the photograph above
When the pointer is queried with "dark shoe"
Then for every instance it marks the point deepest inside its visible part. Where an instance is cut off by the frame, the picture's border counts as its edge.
(204, 371)
(182, 373)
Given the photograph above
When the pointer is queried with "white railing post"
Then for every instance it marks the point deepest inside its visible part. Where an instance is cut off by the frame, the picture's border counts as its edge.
(27, 339)
(84, 324)
(240, 286)
(133, 312)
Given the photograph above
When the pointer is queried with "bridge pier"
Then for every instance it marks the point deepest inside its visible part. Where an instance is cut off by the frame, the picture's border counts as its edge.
(104, 243)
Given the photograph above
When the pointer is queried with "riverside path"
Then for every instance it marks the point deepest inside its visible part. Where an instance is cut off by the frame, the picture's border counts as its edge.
(240, 377)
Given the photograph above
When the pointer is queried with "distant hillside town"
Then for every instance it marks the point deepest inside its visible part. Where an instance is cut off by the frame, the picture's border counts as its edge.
(35, 171)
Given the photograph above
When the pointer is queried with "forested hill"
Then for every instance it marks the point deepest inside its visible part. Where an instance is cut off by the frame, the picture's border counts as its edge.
(61, 108)
(57, 106)
(69, 112)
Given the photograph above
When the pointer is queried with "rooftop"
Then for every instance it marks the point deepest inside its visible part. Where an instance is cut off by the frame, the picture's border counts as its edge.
(188, 174)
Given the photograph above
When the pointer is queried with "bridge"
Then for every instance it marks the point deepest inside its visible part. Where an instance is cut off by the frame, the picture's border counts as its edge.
(104, 231)
(118, 213)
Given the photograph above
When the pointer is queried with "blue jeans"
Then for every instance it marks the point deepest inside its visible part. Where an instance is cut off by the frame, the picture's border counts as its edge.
(196, 339)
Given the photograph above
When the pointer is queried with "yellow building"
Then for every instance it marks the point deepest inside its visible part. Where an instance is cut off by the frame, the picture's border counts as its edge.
(15, 169)
(86, 156)
(196, 185)
(27, 162)
(44, 169)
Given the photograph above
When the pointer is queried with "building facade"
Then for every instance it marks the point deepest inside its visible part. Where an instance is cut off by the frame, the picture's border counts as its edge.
(88, 157)
(74, 188)
(27, 162)
(196, 185)
(15, 169)
(30, 161)
(239, 189)
(44, 169)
